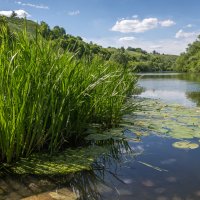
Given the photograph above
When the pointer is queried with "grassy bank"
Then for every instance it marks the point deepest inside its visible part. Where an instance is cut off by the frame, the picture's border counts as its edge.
(48, 99)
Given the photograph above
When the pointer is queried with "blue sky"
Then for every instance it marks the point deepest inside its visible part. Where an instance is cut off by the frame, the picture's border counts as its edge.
(167, 26)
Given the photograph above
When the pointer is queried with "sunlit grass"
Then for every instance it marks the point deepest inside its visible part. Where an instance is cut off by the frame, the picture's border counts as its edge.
(48, 98)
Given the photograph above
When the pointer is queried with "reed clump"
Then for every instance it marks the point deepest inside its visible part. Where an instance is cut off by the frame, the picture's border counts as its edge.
(48, 97)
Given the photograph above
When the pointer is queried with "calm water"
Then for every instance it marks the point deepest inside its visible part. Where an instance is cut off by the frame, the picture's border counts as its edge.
(172, 88)
(182, 179)
(127, 178)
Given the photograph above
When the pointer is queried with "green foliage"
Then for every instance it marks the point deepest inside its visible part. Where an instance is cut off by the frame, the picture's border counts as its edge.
(45, 30)
(153, 62)
(48, 98)
(57, 32)
(190, 60)
(13, 14)
(120, 57)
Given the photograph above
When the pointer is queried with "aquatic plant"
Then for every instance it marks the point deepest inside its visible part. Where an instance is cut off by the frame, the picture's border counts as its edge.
(165, 120)
(185, 145)
(48, 98)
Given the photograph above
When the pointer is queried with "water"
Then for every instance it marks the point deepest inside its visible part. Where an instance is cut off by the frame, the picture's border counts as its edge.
(171, 88)
(182, 179)
(173, 174)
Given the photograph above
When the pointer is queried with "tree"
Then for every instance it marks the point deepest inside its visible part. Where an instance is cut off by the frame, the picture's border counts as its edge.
(45, 30)
(155, 52)
(120, 57)
(130, 49)
(14, 14)
(57, 32)
(79, 38)
(122, 49)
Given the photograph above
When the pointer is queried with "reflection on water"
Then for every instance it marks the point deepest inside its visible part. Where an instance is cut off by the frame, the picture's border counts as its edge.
(194, 96)
(100, 183)
(171, 88)
(180, 182)
(168, 96)
(132, 180)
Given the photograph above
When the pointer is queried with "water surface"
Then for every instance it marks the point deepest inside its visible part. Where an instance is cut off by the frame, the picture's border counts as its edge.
(171, 88)
(181, 181)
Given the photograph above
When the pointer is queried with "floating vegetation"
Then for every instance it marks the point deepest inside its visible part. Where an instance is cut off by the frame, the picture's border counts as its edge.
(185, 145)
(68, 161)
(164, 120)
(112, 145)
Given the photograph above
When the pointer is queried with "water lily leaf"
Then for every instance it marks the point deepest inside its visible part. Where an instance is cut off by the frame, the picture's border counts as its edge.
(185, 145)
(174, 121)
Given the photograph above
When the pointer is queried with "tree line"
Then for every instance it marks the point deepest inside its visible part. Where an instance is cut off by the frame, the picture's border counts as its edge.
(136, 58)
(189, 61)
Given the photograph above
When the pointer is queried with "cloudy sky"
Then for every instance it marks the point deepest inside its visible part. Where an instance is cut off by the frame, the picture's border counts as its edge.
(166, 26)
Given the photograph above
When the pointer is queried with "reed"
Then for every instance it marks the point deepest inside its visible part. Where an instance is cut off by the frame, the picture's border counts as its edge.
(48, 97)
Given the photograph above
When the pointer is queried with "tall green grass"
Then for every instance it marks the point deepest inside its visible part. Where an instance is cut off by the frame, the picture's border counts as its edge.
(48, 98)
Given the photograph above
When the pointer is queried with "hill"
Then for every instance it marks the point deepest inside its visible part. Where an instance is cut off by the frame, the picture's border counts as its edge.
(136, 58)
(17, 24)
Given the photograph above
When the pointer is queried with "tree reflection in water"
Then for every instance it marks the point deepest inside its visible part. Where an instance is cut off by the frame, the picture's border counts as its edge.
(194, 96)
(97, 183)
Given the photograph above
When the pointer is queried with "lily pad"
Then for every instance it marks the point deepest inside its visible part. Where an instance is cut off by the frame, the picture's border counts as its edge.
(156, 117)
(185, 145)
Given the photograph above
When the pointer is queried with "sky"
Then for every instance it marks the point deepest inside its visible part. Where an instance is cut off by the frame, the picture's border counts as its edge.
(167, 26)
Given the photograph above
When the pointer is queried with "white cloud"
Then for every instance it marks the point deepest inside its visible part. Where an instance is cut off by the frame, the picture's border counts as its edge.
(6, 13)
(135, 25)
(126, 39)
(32, 5)
(139, 26)
(182, 34)
(73, 13)
(20, 13)
(167, 23)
